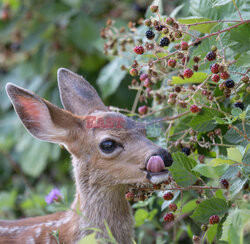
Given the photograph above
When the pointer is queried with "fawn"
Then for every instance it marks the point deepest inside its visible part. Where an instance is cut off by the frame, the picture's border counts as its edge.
(108, 152)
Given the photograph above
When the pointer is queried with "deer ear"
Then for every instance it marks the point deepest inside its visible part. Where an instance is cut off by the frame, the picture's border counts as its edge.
(42, 119)
(77, 95)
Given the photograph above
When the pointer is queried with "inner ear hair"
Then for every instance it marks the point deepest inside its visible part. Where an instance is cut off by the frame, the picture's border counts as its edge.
(42, 119)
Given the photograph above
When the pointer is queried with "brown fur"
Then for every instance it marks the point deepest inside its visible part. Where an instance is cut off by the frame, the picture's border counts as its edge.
(101, 179)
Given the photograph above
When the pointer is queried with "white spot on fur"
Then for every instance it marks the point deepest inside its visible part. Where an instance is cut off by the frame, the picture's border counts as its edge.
(38, 232)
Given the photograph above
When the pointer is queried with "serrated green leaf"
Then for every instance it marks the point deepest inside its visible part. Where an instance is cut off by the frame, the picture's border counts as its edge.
(236, 112)
(207, 208)
(219, 161)
(198, 77)
(181, 169)
(233, 227)
(209, 171)
(204, 28)
(203, 121)
(189, 206)
(234, 154)
(211, 232)
(243, 60)
(216, 3)
(220, 121)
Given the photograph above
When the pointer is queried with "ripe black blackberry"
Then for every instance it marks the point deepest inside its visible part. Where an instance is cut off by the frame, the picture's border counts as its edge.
(211, 56)
(186, 150)
(239, 105)
(150, 34)
(229, 83)
(164, 42)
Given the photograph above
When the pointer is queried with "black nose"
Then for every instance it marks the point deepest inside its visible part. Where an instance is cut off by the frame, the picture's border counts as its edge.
(166, 157)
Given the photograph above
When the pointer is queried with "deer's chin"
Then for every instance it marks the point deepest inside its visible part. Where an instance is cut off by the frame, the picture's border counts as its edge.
(157, 178)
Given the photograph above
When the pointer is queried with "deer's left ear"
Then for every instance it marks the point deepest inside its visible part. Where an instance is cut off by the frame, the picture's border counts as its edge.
(42, 119)
(77, 95)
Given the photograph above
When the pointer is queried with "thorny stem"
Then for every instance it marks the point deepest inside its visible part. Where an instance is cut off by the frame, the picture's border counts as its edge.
(222, 48)
(187, 188)
(136, 99)
(239, 132)
(198, 88)
(219, 32)
(213, 21)
(237, 10)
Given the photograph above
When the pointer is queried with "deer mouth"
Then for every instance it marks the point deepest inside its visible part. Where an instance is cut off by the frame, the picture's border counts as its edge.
(156, 170)
(157, 177)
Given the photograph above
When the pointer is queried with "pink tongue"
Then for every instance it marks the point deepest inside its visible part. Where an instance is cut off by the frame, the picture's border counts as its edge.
(155, 164)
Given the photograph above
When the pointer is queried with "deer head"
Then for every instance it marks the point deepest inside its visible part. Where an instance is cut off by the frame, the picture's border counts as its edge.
(114, 149)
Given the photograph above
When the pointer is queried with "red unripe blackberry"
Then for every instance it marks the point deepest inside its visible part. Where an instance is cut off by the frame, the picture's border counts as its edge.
(188, 73)
(229, 83)
(194, 108)
(224, 75)
(172, 95)
(164, 41)
(130, 196)
(172, 207)
(215, 68)
(211, 56)
(147, 83)
(171, 63)
(184, 45)
(215, 78)
(177, 89)
(169, 21)
(133, 72)
(224, 183)
(139, 50)
(168, 196)
(143, 110)
(204, 92)
(214, 219)
(150, 34)
(169, 217)
(143, 77)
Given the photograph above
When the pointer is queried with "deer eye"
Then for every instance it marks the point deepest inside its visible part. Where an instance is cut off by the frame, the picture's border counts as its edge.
(108, 146)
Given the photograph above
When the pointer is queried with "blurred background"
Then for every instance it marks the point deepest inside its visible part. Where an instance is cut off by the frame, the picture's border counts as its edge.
(36, 38)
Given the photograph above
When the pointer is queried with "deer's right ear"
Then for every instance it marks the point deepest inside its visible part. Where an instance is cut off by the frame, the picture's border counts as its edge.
(42, 119)
(77, 95)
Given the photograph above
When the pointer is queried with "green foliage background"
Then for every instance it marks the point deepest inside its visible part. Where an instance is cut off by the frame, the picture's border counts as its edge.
(41, 36)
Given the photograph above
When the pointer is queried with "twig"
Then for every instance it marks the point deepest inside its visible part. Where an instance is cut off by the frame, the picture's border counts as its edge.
(239, 132)
(220, 31)
(222, 48)
(136, 99)
(213, 21)
(198, 88)
(237, 10)
(187, 188)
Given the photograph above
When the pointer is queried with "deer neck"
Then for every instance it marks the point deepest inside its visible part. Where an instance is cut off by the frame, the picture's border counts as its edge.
(102, 203)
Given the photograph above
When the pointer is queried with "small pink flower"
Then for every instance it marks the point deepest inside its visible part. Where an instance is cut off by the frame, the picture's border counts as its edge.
(54, 195)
